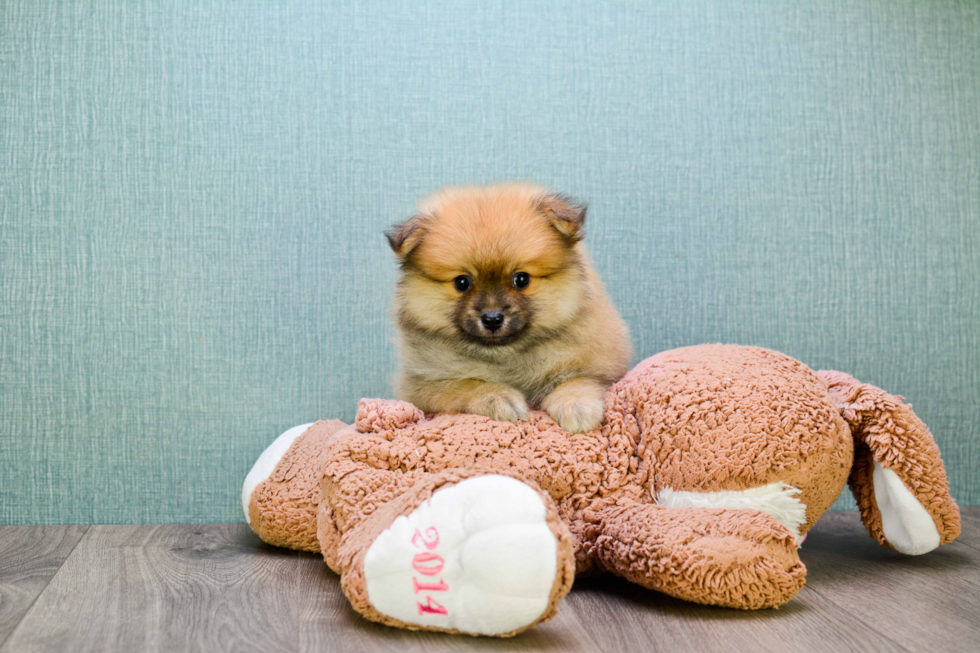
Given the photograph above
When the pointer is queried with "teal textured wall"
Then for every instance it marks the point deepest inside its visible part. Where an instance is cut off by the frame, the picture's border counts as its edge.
(192, 196)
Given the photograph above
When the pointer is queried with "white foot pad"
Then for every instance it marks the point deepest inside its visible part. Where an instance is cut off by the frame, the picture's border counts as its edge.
(478, 557)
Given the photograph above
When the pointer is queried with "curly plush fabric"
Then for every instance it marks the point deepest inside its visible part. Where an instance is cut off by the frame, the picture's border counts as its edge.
(735, 558)
(887, 431)
(283, 507)
(706, 425)
(719, 417)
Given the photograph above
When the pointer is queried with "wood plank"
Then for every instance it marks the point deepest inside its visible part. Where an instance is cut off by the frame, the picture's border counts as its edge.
(166, 588)
(217, 587)
(844, 564)
(927, 602)
(851, 582)
(29, 558)
(623, 615)
(970, 533)
(859, 596)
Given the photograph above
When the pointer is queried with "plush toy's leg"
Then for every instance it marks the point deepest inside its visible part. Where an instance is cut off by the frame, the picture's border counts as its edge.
(736, 558)
(898, 477)
(282, 491)
(461, 551)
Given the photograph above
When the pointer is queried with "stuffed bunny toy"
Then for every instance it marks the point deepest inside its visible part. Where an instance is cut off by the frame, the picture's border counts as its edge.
(709, 467)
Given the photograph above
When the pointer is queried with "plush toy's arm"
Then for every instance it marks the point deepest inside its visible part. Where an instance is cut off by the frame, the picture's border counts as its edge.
(898, 477)
(742, 559)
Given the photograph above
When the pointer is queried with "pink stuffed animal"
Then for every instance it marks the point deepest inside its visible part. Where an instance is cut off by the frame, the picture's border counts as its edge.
(710, 465)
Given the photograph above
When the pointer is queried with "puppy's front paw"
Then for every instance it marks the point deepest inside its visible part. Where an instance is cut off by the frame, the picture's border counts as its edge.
(503, 405)
(577, 405)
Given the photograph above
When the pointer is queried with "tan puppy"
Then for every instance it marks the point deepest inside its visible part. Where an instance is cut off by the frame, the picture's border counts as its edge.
(498, 308)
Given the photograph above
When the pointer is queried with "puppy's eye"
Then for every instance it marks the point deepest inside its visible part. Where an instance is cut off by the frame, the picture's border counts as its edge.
(463, 283)
(521, 280)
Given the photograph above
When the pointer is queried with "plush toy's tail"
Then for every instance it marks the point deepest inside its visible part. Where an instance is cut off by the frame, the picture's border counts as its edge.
(898, 477)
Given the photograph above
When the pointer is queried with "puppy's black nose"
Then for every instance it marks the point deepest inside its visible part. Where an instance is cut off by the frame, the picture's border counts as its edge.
(492, 320)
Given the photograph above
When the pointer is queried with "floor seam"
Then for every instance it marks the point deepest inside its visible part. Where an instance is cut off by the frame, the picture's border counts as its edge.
(846, 611)
(964, 543)
(297, 598)
(30, 609)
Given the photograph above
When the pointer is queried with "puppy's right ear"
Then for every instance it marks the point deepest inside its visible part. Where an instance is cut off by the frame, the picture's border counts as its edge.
(406, 236)
(566, 215)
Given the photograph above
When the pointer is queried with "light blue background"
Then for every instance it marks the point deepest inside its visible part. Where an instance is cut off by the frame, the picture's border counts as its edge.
(192, 196)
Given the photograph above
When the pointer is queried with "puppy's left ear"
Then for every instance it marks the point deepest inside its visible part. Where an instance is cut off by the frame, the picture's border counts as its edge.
(406, 236)
(566, 215)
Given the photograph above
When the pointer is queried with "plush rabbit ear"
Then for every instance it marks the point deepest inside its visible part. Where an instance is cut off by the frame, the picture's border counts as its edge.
(406, 236)
(566, 215)
(897, 478)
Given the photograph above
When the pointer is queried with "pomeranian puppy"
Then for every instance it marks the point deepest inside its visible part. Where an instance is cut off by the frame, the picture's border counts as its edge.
(498, 308)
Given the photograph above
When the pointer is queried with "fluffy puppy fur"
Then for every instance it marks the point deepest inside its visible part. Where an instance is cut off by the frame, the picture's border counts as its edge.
(499, 309)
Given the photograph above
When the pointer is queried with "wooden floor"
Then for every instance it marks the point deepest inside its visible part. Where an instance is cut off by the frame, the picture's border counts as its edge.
(218, 588)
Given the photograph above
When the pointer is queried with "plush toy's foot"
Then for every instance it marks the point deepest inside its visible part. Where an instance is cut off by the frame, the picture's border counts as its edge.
(486, 556)
(282, 491)
(735, 558)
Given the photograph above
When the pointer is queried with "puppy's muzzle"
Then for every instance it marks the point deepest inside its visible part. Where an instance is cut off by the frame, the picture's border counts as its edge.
(492, 320)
